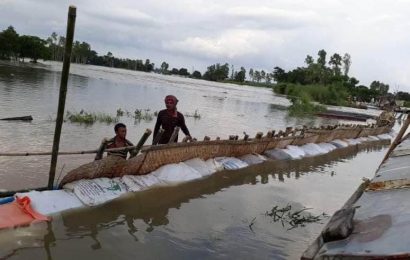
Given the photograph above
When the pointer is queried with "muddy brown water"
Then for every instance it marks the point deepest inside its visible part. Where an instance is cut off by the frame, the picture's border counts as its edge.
(220, 217)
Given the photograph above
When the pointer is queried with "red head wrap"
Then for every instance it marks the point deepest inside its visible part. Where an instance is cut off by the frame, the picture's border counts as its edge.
(171, 99)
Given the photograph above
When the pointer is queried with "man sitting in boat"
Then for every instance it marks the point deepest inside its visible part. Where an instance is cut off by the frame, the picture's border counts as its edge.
(117, 141)
(168, 119)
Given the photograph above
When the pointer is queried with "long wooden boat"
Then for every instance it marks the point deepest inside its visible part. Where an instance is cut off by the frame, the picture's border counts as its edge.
(153, 157)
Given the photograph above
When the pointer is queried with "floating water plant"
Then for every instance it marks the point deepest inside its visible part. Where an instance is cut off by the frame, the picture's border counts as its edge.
(195, 115)
(90, 118)
(293, 219)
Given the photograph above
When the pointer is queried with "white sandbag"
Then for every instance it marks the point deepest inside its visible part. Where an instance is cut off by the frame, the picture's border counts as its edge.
(373, 138)
(251, 159)
(327, 147)
(51, 201)
(352, 141)
(214, 165)
(363, 139)
(384, 137)
(277, 154)
(200, 166)
(140, 182)
(231, 163)
(339, 143)
(97, 191)
(175, 173)
(312, 149)
(294, 151)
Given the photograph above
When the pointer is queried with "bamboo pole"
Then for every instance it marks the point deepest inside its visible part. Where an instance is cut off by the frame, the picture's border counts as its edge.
(128, 148)
(158, 137)
(398, 138)
(174, 135)
(72, 10)
(141, 142)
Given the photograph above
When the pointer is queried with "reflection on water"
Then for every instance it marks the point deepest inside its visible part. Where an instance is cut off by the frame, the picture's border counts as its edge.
(208, 218)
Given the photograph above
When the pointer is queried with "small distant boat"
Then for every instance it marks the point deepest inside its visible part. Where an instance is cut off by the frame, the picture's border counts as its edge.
(19, 118)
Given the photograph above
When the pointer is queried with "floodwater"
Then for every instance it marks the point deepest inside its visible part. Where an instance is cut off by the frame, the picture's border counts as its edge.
(220, 217)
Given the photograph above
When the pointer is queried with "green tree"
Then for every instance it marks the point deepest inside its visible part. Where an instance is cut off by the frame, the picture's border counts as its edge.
(321, 60)
(9, 43)
(379, 87)
(241, 75)
(164, 67)
(309, 60)
(196, 74)
(336, 61)
(251, 74)
(279, 75)
(183, 72)
(347, 61)
(32, 47)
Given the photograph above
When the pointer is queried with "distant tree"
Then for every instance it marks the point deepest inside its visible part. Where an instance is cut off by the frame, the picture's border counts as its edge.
(196, 74)
(175, 71)
(241, 75)
(9, 43)
(336, 61)
(279, 75)
(251, 74)
(164, 67)
(309, 60)
(263, 75)
(217, 72)
(257, 75)
(183, 72)
(32, 47)
(148, 65)
(379, 87)
(347, 61)
(321, 60)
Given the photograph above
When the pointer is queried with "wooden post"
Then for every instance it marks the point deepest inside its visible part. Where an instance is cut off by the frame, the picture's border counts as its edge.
(141, 142)
(174, 135)
(72, 10)
(158, 137)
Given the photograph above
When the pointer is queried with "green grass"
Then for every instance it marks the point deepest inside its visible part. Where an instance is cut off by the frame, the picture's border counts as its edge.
(329, 94)
(83, 117)
(302, 106)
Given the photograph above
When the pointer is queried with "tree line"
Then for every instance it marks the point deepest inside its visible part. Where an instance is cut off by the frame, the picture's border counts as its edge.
(332, 72)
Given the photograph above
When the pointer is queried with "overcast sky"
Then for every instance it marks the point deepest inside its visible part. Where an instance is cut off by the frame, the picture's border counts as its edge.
(260, 34)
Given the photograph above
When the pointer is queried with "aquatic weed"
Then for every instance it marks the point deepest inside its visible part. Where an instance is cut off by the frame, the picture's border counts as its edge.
(293, 219)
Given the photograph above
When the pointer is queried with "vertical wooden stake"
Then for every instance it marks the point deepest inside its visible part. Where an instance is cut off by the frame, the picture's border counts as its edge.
(174, 135)
(141, 142)
(72, 10)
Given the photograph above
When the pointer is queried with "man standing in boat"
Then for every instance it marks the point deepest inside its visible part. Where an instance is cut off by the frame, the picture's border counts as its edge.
(168, 119)
(118, 141)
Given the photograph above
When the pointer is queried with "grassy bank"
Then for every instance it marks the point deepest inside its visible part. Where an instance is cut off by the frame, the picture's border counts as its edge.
(329, 95)
(249, 83)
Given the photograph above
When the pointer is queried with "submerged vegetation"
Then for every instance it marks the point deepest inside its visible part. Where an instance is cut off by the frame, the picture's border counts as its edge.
(293, 219)
(83, 117)
(195, 115)
(138, 115)
(303, 105)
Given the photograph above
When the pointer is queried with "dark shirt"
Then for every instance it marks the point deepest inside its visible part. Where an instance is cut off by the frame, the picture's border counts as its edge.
(168, 123)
